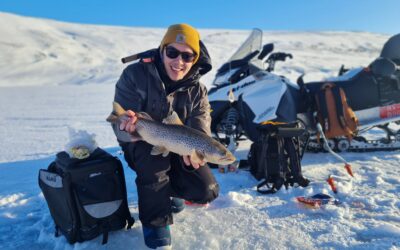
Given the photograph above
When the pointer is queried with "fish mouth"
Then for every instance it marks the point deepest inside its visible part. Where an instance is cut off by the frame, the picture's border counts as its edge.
(228, 159)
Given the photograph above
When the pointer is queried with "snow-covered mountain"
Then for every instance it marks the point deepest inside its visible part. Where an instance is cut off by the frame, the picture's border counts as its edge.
(46, 52)
(57, 75)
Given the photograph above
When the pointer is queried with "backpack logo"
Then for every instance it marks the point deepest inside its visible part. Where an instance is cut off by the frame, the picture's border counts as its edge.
(51, 178)
(94, 174)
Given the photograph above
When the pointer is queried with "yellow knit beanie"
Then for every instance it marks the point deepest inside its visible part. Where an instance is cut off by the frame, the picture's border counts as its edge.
(185, 34)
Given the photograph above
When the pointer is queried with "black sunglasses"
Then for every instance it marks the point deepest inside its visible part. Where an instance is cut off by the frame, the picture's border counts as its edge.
(173, 53)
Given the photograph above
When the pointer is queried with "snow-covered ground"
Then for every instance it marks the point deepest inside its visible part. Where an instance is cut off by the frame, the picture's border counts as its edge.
(58, 75)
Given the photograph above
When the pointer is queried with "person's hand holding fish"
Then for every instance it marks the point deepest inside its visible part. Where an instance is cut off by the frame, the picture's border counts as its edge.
(188, 162)
(128, 121)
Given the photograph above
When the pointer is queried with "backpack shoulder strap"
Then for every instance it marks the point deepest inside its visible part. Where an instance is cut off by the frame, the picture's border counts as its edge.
(339, 106)
(295, 168)
(105, 238)
(131, 221)
(270, 190)
(279, 180)
(278, 183)
(295, 163)
(57, 231)
(262, 160)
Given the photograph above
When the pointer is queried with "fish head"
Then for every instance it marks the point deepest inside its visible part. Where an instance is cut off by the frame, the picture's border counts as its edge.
(221, 155)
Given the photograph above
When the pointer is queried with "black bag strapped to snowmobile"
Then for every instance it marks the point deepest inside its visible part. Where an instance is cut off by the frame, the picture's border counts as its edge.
(334, 114)
(276, 159)
(87, 197)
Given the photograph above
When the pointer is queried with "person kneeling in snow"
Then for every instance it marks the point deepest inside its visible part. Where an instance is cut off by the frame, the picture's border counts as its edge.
(165, 81)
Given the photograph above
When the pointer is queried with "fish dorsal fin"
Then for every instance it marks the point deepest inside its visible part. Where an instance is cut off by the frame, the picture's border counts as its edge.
(197, 156)
(144, 116)
(157, 150)
(173, 119)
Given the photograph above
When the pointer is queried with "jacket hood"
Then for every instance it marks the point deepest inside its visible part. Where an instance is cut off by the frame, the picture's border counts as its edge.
(204, 63)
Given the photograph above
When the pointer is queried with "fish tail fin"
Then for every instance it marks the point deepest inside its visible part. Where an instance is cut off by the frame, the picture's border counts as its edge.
(116, 112)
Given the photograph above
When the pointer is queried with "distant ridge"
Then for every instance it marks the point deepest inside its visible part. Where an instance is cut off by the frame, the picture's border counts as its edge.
(47, 52)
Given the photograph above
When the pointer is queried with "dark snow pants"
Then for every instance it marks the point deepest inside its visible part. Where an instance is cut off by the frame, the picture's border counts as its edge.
(160, 178)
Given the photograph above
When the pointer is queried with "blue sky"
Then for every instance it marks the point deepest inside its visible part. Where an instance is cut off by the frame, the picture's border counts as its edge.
(382, 16)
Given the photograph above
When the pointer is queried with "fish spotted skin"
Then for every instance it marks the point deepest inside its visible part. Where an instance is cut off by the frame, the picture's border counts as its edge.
(179, 139)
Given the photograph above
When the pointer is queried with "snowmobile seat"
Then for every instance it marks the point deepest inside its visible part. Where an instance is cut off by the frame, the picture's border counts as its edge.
(384, 67)
(362, 90)
(391, 49)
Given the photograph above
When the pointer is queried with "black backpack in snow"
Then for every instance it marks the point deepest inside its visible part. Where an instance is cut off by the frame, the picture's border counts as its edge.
(276, 158)
(86, 198)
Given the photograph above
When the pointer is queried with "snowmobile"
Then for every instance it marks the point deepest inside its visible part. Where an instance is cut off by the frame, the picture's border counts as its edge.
(247, 95)
(373, 92)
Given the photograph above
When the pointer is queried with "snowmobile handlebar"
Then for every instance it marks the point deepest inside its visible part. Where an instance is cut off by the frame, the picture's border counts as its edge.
(267, 48)
(141, 55)
(129, 58)
(278, 56)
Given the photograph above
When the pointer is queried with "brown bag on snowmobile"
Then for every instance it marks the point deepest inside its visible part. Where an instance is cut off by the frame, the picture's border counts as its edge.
(334, 114)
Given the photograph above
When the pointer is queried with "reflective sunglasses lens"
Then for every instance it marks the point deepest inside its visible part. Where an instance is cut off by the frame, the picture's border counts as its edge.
(187, 57)
(171, 52)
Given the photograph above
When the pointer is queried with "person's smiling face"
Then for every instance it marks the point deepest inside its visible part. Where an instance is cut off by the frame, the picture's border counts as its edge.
(177, 67)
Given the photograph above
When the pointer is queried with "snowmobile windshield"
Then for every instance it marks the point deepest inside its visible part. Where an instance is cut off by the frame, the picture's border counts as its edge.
(252, 43)
(246, 53)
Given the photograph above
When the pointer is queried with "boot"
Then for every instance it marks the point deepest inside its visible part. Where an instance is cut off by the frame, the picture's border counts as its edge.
(177, 205)
(157, 237)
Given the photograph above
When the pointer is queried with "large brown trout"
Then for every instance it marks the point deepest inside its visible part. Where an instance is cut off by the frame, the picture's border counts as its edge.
(172, 136)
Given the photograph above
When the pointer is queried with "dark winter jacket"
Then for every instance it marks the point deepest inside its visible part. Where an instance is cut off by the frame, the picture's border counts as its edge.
(140, 88)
